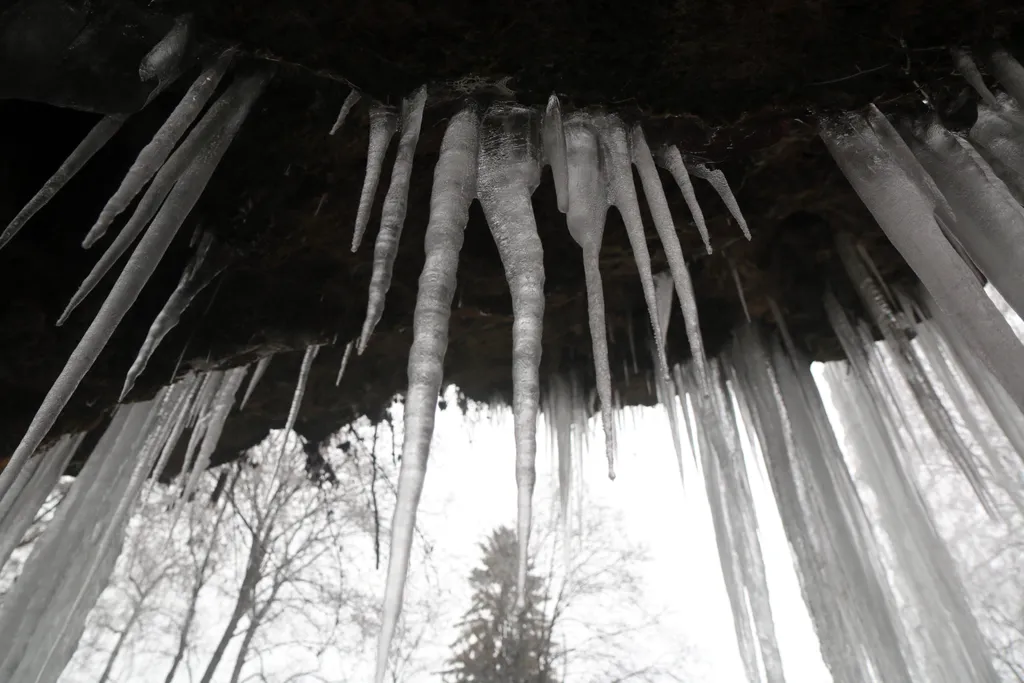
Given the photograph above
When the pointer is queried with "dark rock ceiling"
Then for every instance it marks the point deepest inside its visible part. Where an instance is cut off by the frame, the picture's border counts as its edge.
(736, 83)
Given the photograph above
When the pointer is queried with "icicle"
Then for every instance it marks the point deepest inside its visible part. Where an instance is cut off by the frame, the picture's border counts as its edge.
(178, 420)
(664, 388)
(154, 154)
(383, 123)
(136, 273)
(453, 190)
(346, 107)
(344, 362)
(507, 176)
(989, 222)
(672, 161)
(190, 285)
(553, 135)
(1010, 74)
(622, 191)
(393, 214)
(1001, 145)
(907, 214)
(222, 402)
(666, 228)
(196, 151)
(721, 186)
(93, 142)
(587, 208)
(739, 289)
(257, 375)
(300, 391)
(162, 61)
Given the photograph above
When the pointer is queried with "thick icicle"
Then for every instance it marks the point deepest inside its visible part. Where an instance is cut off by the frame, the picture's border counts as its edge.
(453, 190)
(1001, 145)
(666, 227)
(969, 70)
(162, 61)
(721, 186)
(383, 123)
(344, 362)
(672, 161)
(989, 222)
(553, 135)
(257, 375)
(92, 143)
(197, 146)
(192, 282)
(154, 154)
(622, 191)
(509, 172)
(907, 214)
(587, 209)
(346, 108)
(136, 273)
(393, 214)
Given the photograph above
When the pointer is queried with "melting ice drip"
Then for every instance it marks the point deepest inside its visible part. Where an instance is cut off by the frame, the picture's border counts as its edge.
(950, 205)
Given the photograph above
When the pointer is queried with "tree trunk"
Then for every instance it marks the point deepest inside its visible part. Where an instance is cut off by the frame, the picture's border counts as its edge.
(121, 638)
(190, 615)
(250, 632)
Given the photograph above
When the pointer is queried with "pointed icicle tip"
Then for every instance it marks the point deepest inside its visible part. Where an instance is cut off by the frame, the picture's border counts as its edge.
(346, 108)
(392, 218)
(383, 123)
(671, 160)
(721, 186)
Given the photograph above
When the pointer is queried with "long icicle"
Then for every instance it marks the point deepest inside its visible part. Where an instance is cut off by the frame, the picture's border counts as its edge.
(666, 228)
(196, 145)
(190, 285)
(383, 123)
(300, 392)
(615, 147)
(672, 161)
(344, 362)
(587, 211)
(454, 188)
(92, 143)
(154, 154)
(136, 274)
(396, 202)
(508, 174)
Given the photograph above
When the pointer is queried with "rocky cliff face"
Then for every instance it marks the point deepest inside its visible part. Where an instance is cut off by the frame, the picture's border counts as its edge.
(738, 84)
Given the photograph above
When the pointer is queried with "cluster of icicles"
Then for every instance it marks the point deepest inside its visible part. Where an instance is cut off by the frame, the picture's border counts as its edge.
(950, 205)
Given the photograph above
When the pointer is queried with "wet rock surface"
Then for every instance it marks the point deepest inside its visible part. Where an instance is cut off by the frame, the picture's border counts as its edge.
(736, 84)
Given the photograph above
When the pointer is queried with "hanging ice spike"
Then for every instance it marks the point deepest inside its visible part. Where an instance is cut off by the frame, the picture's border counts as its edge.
(622, 195)
(346, 108)
(454, 188)
(93, 142)
(721, 186)
(192, 282)
(137, 272)
(383, 123)
(393, 214)
(204, 137)
(672, 161)
(587, 209)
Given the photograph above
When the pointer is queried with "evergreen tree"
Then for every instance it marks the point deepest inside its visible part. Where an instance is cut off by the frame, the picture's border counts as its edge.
(498, 643)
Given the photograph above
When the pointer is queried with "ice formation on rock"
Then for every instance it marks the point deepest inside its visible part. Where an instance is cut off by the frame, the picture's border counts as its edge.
(162, 61)
(155, 153)
(455, 185)
(392, 217)
(136, 273)
(672, 160)
(509, 172)
(718, 181)
(587, 208)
